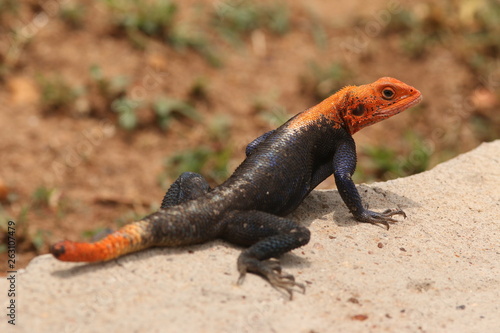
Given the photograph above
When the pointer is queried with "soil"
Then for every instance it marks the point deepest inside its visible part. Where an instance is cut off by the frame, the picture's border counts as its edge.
(100, 175)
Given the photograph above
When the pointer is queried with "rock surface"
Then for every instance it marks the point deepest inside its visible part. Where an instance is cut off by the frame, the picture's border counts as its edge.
(436, 271)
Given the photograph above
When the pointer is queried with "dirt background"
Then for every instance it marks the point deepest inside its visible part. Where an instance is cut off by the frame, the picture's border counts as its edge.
(69, 169)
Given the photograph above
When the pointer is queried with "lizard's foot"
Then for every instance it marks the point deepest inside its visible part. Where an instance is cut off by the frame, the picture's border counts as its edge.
(268, 236)
(380, 218)
(270, 270)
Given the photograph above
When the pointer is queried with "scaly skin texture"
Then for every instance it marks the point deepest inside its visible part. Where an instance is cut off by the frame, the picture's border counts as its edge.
(281, 168)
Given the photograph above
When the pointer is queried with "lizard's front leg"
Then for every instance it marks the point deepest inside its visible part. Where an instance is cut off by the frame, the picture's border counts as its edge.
(344, 164)
(268, 236)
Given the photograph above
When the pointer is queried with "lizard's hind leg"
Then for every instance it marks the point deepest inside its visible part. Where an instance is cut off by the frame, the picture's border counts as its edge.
(268, 236)
(187, 187)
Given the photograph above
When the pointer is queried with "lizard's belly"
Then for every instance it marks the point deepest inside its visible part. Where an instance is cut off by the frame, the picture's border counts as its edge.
(278, 195)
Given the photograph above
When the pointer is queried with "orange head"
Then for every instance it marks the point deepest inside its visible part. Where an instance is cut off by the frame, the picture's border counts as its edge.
(370, 103)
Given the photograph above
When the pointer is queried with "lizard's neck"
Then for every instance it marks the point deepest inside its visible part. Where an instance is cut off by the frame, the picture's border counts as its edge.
(332, 109)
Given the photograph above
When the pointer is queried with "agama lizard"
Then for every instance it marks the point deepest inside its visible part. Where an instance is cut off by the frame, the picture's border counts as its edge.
(281, 168)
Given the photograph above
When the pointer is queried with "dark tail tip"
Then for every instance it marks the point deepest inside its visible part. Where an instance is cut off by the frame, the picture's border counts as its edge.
(57, 250)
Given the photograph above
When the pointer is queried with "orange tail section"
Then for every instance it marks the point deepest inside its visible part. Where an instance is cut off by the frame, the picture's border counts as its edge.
(130, 238)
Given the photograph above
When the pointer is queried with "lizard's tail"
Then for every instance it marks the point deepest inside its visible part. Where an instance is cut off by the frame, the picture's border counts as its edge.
(132, 237)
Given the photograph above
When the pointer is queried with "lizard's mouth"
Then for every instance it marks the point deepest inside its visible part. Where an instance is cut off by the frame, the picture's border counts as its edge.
(417, 100)
(395, 109)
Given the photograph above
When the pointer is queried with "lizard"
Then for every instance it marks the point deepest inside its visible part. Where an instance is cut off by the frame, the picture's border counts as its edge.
(250, 208)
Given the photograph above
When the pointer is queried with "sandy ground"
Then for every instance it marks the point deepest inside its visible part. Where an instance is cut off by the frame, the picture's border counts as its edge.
(436, 271)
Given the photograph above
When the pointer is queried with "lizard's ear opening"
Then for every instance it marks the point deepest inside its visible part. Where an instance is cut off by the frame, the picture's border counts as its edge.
(359, 110)
(388, 93)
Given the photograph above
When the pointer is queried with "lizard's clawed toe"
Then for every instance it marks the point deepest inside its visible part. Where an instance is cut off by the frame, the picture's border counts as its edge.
(272, 272)
(391, 212)
(383, 218)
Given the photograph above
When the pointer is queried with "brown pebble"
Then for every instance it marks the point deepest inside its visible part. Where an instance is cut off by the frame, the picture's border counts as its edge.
(353, 300)
(360, 317)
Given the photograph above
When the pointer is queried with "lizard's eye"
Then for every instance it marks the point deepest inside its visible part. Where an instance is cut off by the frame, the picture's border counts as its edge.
(388, 93)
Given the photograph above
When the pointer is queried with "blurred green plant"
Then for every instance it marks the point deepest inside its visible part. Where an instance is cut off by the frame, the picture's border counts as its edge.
(268, 109)
(13, 39)
(184, 37)
(42, 196)
(277, 18)
(381, 163)
(318, 32)
(275, 116)
(321, 82)
(46, 199)
(199, 89)
(420, 155)
(485, 128)
(481, 46)
(73, 14)
(126, 109)
(96, 233)
(4, 227)
(469, 29)
(153, 17)
(210, 160)
(131, 215)
(109, 93)
(157, 19)
(108, 89)
(236, 20)
(23, 239)
(166, 109)
(40, 238)
(384, 163)
(419, 32)
(193, 160)
(219, 130)
(57, 94)
(8, 6)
